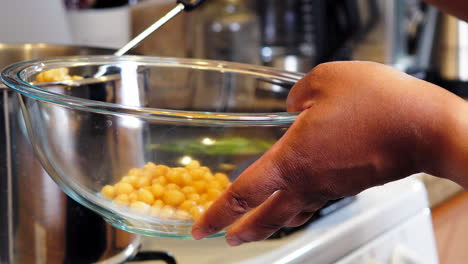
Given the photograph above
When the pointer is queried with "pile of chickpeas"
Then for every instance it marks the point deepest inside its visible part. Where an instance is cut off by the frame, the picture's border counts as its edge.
(181, 193)
(56, 75)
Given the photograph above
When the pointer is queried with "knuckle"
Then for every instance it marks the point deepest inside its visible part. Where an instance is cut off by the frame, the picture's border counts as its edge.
(323, 68)
(268, 226)
(329, 192)
(298, 177)
(237, 202)
(211, 228)
(294, 176)
(300, 219)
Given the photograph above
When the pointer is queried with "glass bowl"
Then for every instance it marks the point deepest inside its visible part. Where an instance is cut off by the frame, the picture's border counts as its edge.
(146, 112)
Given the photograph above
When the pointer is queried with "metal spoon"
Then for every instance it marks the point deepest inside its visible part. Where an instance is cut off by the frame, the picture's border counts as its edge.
(182, 5)
(186, 5)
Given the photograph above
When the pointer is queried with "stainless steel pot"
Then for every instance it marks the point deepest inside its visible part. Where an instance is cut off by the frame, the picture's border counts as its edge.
(38, 222)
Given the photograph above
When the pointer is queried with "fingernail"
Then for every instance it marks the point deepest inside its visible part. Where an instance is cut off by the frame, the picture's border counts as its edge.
(233, 242)
(198, 234)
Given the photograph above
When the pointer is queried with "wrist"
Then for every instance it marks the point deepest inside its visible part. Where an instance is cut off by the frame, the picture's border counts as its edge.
(454, 163)
(448, 144)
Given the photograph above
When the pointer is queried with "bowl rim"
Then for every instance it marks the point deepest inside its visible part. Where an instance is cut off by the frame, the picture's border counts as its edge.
(13, 76)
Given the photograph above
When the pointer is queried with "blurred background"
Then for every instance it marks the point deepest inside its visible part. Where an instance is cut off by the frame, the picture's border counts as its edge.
(293, 35)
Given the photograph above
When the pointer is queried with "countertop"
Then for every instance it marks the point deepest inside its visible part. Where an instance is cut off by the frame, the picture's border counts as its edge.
(450, 220)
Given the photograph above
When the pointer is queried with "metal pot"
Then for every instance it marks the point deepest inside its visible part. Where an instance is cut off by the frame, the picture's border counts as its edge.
(39, 223)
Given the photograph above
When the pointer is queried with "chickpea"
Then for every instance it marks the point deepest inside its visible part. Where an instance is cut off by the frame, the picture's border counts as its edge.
(197, 174)
(196, 212)
(147, 173)
(140, 207)
(122, 200)
(123, 188)
(208, 177)
(182, 215)
(132, 179)
(157, 190)
(135, 172)
(193, 164)
(174, 176)
(187, 204)
(180, 170)
(162, 170)
(159, 180)
(214, 185)
(133, 197)
(205, 169)
(173, 197)
(54, 75)
(150, 166)
(142, 182)
(194, 197)
(172, 186)
(207, 205)
(200, 186)
(171, 193)
(188, 190)
(108, 192)
(145, 196)
(203, 198)
(167, 212)
(125, 179)
(162, 180)
(213, 194)
(186, 179)
(222, 178)
(158, 203)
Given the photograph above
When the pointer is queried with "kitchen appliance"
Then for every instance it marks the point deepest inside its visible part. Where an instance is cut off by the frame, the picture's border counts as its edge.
(299, 34)
(227, 30)
(293, 35)
(450, 56)
(390, 224)
(410, 29)
(39, 223)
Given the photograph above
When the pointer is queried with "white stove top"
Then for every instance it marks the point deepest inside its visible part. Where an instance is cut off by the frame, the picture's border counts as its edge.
(327, 240)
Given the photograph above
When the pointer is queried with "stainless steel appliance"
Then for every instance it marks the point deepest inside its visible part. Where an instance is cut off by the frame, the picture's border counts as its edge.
(294, 35)
(451, 55)
(39, 223)
(299, 34)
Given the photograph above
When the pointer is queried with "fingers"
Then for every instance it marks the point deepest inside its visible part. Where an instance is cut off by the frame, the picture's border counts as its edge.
(252, 188)
(307, 213)
(268, 218)
(300, 219)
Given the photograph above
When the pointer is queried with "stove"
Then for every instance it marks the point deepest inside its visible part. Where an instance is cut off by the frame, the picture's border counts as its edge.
(386, 224)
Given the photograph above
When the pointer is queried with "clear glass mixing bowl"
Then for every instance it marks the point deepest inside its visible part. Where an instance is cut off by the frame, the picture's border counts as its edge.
(90, 133)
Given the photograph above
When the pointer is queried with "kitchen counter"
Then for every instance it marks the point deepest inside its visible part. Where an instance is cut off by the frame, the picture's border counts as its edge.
(450, 220)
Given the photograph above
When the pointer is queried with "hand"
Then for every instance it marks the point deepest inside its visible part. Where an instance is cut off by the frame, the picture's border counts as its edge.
(361, 124)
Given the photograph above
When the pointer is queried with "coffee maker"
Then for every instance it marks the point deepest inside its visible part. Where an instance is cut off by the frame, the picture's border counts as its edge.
(294, 35)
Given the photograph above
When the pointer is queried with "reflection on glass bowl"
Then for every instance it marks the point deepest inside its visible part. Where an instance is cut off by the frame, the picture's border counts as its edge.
(91, 133)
